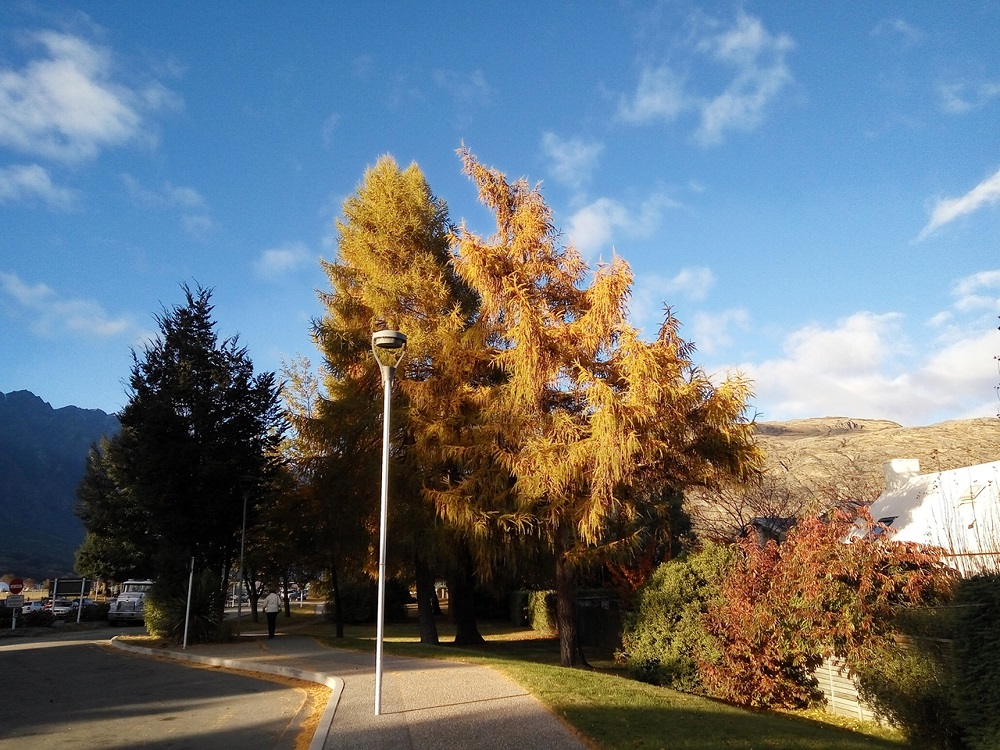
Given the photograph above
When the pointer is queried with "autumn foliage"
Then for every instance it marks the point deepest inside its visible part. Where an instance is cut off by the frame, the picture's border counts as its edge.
(780, 609)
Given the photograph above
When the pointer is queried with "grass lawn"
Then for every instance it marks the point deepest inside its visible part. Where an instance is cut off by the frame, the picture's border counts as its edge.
(617, 713)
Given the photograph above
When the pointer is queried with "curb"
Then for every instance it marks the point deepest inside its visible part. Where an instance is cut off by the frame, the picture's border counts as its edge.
(335, 684)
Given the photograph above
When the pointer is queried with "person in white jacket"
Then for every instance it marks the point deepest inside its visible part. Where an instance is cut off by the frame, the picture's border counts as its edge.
(272, 605)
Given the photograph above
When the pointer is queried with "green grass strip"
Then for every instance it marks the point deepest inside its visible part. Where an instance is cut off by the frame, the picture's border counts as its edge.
(614, 712)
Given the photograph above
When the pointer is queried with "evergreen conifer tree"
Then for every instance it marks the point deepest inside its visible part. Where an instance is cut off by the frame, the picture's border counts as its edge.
(197, 420)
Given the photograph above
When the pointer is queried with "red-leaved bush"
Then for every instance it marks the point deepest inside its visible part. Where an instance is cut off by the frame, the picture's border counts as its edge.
(783, 608)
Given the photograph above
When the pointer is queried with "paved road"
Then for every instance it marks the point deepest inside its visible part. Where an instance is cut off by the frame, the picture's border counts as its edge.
(74, 691)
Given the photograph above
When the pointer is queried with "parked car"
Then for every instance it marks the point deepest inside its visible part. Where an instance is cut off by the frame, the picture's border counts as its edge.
(30, 607)
(87, 602)
(60, 608)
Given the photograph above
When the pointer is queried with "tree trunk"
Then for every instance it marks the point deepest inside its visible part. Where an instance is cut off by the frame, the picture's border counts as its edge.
(425, 601)
(253, 594)
(462, 603)
(338, 608)
(284, 586)
(570, 653)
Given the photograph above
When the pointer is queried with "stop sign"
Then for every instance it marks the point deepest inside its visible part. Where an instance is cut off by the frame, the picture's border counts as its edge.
(16, 586)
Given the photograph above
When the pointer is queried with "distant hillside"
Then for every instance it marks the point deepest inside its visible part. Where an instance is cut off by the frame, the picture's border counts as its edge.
(42, 459)
(813, 451)
(815, 463)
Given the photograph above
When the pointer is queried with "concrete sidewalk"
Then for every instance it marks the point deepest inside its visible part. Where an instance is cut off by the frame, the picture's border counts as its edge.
(426, 704)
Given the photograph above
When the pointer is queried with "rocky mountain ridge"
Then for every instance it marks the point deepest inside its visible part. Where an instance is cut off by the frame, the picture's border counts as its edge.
(825, 449)
(42, 459)
(812, 465)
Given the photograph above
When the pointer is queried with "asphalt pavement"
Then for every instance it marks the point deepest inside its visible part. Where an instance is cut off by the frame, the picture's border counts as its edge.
(426, 704)
(68, 689)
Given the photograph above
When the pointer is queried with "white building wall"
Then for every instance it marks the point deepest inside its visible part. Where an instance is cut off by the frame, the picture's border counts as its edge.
(958, 510)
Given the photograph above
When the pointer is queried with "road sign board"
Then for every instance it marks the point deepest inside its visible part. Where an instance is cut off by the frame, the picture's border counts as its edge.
(16, 586)
(15, 602)
(69, 587)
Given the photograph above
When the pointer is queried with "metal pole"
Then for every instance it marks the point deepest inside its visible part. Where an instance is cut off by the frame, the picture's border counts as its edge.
(79, 610)
(187, 612)
(243, 541)
(387, 374)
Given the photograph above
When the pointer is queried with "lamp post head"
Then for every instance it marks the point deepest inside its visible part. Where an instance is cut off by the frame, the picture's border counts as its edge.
(388, 347)
(247, 483)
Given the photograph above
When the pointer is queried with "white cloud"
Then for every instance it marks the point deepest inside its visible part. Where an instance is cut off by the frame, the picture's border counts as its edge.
(865, 366)
(573, 159)
(64, 105)
(592, 227)
(465, 88)
(278, 261)
(659, 95)
(195, 216)
(651, 291)
(761, 72)
(713, 331)
(51, 315)
(959, 98)
(759, 59)
(834, 371)
(329, 127)
(198, 225)
(694, 283)
(22, 182)
(969, 292)
(909, 33)
(947, 210)
(169, 196)
(186, 197)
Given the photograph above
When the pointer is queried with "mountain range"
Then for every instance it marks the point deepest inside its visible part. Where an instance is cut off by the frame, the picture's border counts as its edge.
(43, 454)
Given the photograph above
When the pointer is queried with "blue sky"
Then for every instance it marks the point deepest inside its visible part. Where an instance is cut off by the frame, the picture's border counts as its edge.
(814, 187)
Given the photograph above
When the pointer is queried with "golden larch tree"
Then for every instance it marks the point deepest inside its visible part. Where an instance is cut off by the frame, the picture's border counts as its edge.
(588, 419)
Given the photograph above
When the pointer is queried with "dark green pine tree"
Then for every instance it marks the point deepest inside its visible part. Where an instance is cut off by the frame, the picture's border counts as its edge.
(198, 419)
(116, 546)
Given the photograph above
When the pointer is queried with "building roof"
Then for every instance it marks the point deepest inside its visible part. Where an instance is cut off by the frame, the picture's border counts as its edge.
(958, 510)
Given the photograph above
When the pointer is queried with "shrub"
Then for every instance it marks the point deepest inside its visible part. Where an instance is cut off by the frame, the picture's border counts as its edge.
(542, 611)
(519, 607)
(763, 658)
(977, 660)
(37, 619)
(166, 609)
(95, 612)
(783, 608)
(666, 630)
(911, 686)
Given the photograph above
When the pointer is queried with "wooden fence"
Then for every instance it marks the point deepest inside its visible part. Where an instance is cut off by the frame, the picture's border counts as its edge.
(840, 691)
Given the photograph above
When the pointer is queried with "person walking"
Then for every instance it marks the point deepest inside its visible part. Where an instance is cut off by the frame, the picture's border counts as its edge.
(272, 605)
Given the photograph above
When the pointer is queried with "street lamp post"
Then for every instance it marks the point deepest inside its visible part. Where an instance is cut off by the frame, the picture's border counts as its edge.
(246, 485)
(388, 348)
